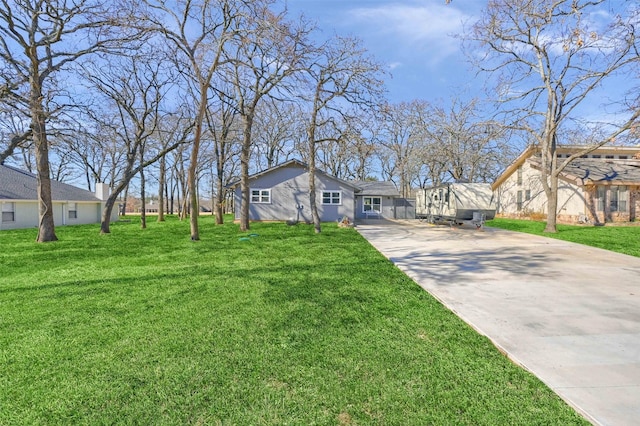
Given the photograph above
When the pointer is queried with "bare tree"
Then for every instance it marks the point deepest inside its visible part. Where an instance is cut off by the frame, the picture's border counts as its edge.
(402, 138)
(340, 77)
(199, 31)
(471, 148)
(223, 125)
(273, 50)
(350, 146)
(551, 58)
(276, 125)
(135, 86)
(39, 39)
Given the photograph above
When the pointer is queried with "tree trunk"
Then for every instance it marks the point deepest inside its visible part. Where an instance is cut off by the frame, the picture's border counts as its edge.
(143, 200)
(161, 186)
(124, 201)
(46, 228)
(312, 176)
(106, 212)
(244, 171)
(219, 202)
(552, 204)
(193, 166)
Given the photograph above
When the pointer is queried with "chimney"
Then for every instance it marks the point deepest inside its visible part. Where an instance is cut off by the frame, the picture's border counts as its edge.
(102, 191)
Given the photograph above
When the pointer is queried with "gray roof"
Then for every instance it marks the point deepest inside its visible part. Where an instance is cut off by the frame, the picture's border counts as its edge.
(294, 162)
(384, 189)
(597, 171)
(16, 184)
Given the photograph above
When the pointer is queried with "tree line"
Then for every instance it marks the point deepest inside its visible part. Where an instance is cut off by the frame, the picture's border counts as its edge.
(178, 91)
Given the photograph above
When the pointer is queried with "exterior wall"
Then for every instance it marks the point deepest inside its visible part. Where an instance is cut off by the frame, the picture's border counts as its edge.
(289, 188)
(606, 215)
(26, 214)
(387, 205)
(572, 199)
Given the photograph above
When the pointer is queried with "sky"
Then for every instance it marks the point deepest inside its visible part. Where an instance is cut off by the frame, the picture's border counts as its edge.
(414, 39)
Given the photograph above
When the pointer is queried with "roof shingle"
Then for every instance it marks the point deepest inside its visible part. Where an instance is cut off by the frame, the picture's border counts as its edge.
(16, 184)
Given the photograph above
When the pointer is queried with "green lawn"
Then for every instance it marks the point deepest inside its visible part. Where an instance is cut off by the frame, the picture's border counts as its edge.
(283, 327)
(621, 239)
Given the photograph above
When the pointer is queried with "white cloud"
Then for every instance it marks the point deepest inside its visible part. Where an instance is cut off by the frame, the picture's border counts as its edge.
(420, 27)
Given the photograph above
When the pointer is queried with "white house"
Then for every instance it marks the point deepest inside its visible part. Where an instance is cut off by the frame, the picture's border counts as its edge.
(601, 187)
(71, 205)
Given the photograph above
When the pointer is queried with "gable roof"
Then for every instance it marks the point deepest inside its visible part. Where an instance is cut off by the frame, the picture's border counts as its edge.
(385, 189)
(584, 171)
(511, 168)
(595, 171)
(16, 184)
(296, 163)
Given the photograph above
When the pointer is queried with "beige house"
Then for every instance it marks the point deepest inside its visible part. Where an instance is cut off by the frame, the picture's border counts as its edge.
(71, 205)
(601, 187)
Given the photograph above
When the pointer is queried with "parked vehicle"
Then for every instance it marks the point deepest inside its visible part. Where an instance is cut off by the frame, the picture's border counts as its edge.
(456, 203)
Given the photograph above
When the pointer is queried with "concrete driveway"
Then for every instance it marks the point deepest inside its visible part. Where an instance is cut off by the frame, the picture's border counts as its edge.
(568, 313)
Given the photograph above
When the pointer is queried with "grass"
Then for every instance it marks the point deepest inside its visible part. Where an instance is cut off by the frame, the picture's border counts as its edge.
(621, 239)
(287, 327)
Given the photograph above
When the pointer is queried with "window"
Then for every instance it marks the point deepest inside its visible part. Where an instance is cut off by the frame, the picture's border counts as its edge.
(595, 156)
(618, 198)
(8, 212)
(519, 202)
(600, 194)
(527, 195)
(73, 210)
(262, 196)
(372, 204)
(331, 197)
(623, 157)
(609, 157)
(520, 175)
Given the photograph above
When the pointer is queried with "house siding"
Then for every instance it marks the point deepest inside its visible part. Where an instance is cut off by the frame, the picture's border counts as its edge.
(571, 197)
(26, 214)
(606, 215)
(387, 205)
(577, 187)
(289, 188)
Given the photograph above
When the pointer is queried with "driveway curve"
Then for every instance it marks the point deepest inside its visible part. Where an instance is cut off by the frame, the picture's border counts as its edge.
(568, 313)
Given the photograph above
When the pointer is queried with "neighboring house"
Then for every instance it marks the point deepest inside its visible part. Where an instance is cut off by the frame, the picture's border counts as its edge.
(376, 200)
(71, 205)
(603, 186)
(281, 193)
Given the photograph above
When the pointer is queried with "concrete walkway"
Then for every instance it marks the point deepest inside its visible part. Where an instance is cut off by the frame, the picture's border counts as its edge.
(568, 313)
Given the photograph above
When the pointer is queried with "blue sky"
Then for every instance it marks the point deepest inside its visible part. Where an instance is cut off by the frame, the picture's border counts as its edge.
(413, 38)
(416, 41)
